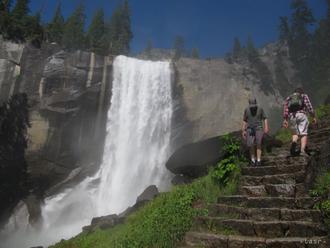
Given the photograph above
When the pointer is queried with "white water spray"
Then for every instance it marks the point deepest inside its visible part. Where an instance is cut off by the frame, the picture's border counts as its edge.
(135, 153)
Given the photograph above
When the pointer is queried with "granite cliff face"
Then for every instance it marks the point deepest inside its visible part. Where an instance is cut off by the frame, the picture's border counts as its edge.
(70, 91)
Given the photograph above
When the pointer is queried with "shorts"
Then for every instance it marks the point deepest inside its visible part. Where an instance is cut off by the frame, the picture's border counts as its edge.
(254, 137)
(299, 124)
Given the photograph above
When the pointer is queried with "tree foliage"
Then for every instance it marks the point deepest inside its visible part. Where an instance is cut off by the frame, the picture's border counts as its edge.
(179, 47)
(96, 34)
(237, 50)
(55, 28)
(120, 30)
(73, 35)
(102, 36)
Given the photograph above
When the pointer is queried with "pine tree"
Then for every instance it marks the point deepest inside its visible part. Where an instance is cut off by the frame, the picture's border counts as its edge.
(56, 27)
(300, 42)
(127, 34)
(178, 47)
(34, 32)
(96, 36)
(284, 29)
(195, 53)
(237, 49)
(5, 20)
(19, 20)
(21, 9)
(251, 51)
(73, 35)
(120, 30)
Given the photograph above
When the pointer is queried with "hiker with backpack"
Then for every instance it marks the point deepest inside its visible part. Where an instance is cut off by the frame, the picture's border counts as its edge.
(255, 125)
(296, 108)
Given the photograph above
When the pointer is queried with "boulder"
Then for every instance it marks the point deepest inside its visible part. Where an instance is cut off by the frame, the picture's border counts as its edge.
(192, 160)
(148, 194)
(103, 222)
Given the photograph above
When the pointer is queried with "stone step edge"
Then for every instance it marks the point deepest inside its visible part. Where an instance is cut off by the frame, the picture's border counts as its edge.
(284, 222)
(242, 238)
(265, 209)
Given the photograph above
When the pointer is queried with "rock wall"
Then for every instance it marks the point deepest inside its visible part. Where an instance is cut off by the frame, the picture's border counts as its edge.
(68, 94)
(210, 98)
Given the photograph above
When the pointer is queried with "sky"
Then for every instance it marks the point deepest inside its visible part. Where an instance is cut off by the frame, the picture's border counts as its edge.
(209, 25)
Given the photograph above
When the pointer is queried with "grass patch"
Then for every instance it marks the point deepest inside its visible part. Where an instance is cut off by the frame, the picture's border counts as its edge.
(322, 189)
(161, 223)
(322, 111)
(164, 221)
(284, 135)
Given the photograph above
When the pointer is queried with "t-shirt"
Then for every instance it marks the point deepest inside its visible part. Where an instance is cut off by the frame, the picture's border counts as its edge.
(254, 121)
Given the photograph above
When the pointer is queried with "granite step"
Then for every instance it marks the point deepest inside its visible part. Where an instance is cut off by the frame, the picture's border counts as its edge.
(287, 190)
(266, 229)
(269, 202)
(273, 170)
(210, 240)
(264, 214)
(298, 177)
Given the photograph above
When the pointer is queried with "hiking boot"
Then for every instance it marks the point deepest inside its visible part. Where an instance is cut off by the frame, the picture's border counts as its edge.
(258, 163)
(252, 163)
(293, 149)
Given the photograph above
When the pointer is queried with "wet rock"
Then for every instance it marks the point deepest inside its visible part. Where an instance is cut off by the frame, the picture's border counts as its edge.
(148, 194)
(103, 222)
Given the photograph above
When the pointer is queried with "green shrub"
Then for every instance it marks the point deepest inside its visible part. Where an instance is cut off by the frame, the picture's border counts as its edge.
(284, 135)
(164, 221)
(322, 185)
(322, 111)
(226, 169)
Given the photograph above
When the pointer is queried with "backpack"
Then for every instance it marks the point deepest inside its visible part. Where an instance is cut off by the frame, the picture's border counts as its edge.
(295, 102)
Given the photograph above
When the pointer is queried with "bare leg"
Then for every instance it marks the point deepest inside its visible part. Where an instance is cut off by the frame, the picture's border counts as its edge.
(259, 152)
(295, 138)
(303, 142)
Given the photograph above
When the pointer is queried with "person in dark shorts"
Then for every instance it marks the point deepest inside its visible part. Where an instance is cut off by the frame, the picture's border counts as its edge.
(255, 125)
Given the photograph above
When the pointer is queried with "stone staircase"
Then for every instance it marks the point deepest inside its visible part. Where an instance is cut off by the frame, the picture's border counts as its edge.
(272, 208)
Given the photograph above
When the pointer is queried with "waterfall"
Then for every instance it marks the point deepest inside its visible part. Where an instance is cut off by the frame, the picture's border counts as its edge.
(136, 149)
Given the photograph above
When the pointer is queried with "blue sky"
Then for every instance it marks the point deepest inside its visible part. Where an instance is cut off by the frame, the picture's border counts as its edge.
(209, 25)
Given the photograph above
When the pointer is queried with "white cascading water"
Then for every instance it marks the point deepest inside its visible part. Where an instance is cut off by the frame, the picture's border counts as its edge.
(135, 153)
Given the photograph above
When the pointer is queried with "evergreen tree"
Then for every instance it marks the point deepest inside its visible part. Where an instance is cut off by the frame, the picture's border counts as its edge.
(120, 30)
(195, 53)
(56, 27)
(251, 51)
(19, 20)
(237, 49)
(300, 42)
(73, 35)
(284, 29)
(126, 33)
(5, 20)
(21, 9)
(178, 47)
(34, 32)
(96, 36)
